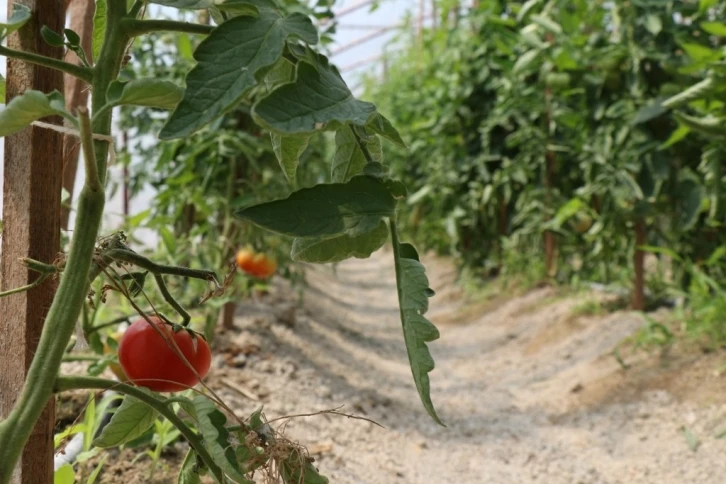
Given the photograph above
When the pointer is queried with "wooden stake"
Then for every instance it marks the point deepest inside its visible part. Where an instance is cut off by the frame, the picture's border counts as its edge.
(31, 217)
(639, 265)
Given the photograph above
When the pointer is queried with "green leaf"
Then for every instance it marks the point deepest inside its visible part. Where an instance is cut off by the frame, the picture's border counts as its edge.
(64, 475)
(653, 23)
(227, 63)
(288, 150)
(676, 136)
(31, 106)
(170, 241)
(413, 295)
(546, 23)
(97, 470)
(699, 52)
(646, 113)
(21, 14)
(294, 473)
(282, 73)
(714, 28)
(690, 195)
(73, 38)
(131, 420)
(216, 438)
(2, 89)
(704, 5)
(184, 47)
(155, 93)
(99, 28)
(709, 125)
(349, 159)
(383, 127)
(51, 37)
(317, 97)
(351, 208)
(525, 60)
(189, 472)
(321, 251)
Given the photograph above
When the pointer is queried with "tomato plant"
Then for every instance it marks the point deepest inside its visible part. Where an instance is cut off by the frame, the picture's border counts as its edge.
(259, 57)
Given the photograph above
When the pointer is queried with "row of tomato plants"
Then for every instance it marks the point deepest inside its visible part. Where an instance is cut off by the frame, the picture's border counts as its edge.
(566, 137)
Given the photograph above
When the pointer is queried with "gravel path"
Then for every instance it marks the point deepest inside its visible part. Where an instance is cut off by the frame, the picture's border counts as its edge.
(529, 393)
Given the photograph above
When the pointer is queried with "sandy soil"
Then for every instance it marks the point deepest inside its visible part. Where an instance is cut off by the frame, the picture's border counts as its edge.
(530, 392)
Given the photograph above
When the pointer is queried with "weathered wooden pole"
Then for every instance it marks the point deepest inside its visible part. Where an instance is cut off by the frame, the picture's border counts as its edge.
(31, 228)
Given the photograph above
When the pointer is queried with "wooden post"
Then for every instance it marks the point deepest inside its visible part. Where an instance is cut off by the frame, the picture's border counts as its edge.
(31, 217)
(550, 242)
(76, 93)
(639, 265)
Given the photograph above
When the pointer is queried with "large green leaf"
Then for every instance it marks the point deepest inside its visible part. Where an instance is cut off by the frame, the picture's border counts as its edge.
(216, 438)
(130, 421)
(99, 28)
(335, 249)
(317, 97)
(228, 61)
(155, 93)
(413, 298)
(19, 17)
(31, 106)
(349, 159)
(288, 150)
(326, 210)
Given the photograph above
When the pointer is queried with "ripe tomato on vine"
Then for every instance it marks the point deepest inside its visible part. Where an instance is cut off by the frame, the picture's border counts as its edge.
(150, 360)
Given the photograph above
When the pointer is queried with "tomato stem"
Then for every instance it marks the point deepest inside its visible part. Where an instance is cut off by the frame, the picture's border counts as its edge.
(139, 260)
(135, 27)
(66, 383)
(170, 299)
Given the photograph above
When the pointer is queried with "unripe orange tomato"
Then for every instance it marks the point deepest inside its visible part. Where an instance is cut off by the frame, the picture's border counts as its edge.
(265, 267)
(148, 360)
(258, 265)
(244, 259)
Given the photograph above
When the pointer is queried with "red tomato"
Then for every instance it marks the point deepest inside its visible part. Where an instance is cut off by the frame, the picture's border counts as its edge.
(147, 358)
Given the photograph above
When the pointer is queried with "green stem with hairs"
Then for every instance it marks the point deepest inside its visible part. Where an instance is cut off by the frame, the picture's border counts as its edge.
(135, 27)
(66, 383)
(74, 281)
(82, 73)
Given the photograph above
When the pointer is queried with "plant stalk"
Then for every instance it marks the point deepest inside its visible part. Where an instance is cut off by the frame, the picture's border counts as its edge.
(83, 73)
(135, 27)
